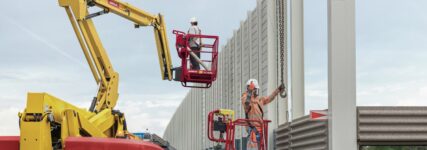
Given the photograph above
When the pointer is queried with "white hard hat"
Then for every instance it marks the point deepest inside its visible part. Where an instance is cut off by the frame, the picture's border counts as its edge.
(253, 81)
(194, 19)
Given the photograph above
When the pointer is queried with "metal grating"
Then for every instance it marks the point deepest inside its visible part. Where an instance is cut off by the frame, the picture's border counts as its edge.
(392, 125)
(302, 134)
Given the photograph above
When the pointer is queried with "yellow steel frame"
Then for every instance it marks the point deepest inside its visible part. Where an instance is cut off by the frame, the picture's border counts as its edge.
(95, 53)
(47, 121)
(227, 112)
(44, 111)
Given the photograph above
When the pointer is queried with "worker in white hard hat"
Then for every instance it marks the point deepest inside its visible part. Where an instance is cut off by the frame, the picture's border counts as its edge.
(253, 105)
(195, 43)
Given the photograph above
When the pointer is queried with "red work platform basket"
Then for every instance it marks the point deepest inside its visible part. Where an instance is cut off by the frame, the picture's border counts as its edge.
(203, 77)
(225, 124)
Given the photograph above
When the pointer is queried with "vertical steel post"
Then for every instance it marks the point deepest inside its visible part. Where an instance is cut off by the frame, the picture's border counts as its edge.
(297, 58)
(342, 75)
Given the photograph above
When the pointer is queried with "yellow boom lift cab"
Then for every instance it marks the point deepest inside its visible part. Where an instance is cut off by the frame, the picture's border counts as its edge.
(47, 121)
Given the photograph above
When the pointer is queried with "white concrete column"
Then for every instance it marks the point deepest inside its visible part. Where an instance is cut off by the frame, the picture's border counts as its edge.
(277, 109)
(297, 58)
(342, 75)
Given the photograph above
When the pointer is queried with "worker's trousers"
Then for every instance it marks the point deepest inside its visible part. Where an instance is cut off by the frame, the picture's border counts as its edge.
(195, 65)
(253, 138)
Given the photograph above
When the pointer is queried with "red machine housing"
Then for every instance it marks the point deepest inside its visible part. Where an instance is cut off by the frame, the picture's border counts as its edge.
(202, 78)
(230, 130)
(9, 142)
(87, 143)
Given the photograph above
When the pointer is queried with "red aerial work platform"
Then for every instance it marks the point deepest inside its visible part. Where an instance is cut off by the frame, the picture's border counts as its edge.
(224, 123)
(204, 77)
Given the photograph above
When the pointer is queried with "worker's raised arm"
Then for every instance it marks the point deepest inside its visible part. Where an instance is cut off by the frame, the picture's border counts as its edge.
(272, 96)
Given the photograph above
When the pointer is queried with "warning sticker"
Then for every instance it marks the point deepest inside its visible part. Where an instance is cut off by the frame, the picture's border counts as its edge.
(113, 3)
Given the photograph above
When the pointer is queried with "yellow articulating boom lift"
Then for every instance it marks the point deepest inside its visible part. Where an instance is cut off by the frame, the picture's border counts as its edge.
(48, 121)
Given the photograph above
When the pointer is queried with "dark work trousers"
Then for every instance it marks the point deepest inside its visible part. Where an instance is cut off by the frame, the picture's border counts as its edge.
(194, 63)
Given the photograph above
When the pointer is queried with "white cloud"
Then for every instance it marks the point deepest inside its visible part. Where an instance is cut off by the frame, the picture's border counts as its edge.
(423, 92)
(411, 102)
(43, 40)
(9, 124)
(149, 111)
(390, 53)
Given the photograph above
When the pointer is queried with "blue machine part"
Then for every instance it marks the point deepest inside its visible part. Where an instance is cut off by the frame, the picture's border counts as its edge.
(140, 135)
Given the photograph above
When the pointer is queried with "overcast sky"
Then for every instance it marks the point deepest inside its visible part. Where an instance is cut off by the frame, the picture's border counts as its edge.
(40, 53)
(391, 53)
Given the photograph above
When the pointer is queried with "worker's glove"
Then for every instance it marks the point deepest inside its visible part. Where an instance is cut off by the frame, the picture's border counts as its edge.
(281, 87)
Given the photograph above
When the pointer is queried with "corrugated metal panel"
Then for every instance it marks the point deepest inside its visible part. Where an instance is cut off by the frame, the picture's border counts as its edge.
(302, 134)
(308, 134)
(376, 126)
(282, 135)
(392, 125)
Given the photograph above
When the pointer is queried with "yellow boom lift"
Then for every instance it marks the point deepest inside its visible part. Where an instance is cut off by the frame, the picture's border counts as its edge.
(47, 121)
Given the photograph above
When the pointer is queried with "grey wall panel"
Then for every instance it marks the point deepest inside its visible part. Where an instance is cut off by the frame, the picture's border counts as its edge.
(263, 48)
(376, 126)
(307, 134)
(302, 134)
(392, 125)
(237, 78)
(231, 73)
(282, 137)
(246, 52)
(254, 41)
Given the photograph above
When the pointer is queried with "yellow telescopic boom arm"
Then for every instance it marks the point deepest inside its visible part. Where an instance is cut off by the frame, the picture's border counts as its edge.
(47, 121)
(95, 53)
